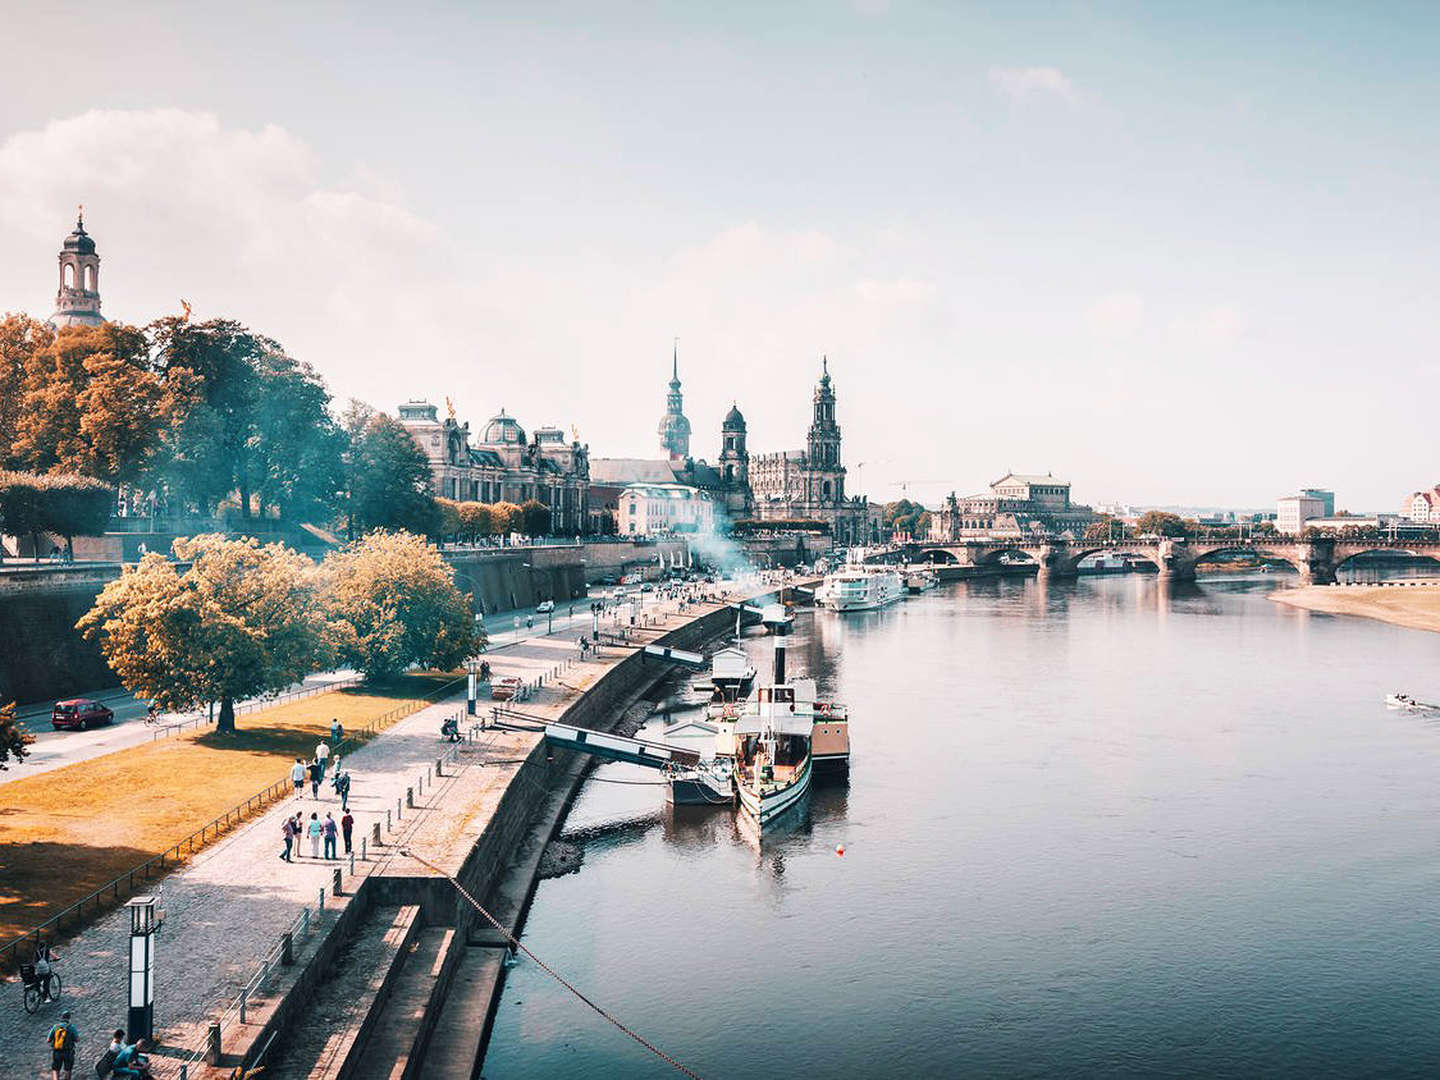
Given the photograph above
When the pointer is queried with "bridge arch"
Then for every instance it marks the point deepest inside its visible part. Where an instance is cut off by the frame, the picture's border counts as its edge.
(1240, 547)
(1141, 552)
(1349, 561)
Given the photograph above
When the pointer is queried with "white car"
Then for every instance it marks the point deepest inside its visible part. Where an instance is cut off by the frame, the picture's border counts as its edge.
(545, 607)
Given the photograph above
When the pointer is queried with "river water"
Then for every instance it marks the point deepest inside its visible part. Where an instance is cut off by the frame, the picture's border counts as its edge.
(1100, 828)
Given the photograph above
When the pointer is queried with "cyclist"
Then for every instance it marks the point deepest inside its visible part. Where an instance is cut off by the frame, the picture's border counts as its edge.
(44, 957)
(152, 713)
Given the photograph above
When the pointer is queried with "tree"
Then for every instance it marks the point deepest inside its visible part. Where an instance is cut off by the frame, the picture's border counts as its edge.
(476, 520)
(448, 514)
(904, 516)
(389, 480)
(394, 603)
(243, 619)
(13, 736)
(1161, 523)
(507, 518)
(21, 337)
(78, 506)
(1107, 528)
(535, 518)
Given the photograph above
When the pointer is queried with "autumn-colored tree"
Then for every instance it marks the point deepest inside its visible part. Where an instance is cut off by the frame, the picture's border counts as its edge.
(13, 736)
(507, 518)
(1107, 528)
(243, 619)
(393, 601)
(535, 518)
(475, 520)
(91, 404)
(21, 337)
(448, 518)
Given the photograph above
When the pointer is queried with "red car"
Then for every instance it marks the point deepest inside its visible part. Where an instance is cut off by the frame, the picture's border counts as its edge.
(81, 714)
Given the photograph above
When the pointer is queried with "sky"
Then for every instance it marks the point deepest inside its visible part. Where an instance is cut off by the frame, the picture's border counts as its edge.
(1173, 253)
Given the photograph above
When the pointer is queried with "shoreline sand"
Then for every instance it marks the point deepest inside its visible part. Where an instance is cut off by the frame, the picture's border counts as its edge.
(1416, 607)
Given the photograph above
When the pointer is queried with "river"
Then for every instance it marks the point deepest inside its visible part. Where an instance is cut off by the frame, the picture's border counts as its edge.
(1100, 828)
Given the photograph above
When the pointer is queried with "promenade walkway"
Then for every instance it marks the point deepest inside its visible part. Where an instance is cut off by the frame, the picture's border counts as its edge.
(227, 907)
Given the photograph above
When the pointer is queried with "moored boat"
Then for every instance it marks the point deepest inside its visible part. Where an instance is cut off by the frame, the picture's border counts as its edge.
(860, 588)
(919, 581)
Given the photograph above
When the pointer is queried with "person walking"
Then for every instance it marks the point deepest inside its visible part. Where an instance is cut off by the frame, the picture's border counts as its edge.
(342, 788)
(337, 731)
(335, 773)
(347, 829)
(314, 829)
(288, 831)
(62, 1040)
(297, 774)
(330, 832)
(316, 770)
(322, 754)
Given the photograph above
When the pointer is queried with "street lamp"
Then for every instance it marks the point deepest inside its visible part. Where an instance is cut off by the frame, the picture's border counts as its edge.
(472, 673)
(140, 1021)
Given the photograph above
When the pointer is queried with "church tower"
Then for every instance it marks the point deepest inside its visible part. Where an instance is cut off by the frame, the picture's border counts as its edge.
(735, 463)
(824, 443)
(78, 301)
(674, 429)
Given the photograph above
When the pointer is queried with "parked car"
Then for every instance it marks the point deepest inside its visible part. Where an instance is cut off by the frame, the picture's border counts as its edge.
(545, 607)
(80, 714)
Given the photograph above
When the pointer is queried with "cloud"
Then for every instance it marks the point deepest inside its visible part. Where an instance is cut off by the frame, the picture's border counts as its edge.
(1018, 84)
(1118, 315)
(1214, 328)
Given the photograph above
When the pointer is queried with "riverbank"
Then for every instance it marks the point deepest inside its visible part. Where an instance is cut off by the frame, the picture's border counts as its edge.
(1414, 606)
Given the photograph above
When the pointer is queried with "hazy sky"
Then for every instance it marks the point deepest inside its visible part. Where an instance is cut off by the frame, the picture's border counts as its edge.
(1172, 252)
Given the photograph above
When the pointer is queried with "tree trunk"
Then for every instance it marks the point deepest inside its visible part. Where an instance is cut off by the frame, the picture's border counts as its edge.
(226, 722)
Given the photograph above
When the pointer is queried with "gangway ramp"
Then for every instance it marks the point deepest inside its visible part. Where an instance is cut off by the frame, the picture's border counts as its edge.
(653, 755)
(675, 656)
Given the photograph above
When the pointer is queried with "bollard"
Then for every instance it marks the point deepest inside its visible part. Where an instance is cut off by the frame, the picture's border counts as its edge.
(352, 858)
(305, 922)
(439, 762)
(212, 1043)
(321, 905)
(387, 821)
(335, 886)
(363, 856)
(410, 797)
(398, 810)
(377, 835)
(184, 1072)
(244, 1000)
(264, 973)
(429, 776)
(287, 948)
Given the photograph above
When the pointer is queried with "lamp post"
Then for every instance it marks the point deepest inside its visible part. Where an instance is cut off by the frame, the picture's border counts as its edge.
(472, 672)
(140, 1021)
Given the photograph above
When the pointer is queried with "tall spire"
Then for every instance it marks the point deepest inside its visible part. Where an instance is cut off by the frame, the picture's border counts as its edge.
(675, 365)
(674, 429)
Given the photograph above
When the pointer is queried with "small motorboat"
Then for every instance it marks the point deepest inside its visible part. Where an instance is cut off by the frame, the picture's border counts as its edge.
(1405, 701)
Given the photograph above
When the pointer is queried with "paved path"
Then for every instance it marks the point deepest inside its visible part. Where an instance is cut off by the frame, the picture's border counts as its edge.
(228, 906)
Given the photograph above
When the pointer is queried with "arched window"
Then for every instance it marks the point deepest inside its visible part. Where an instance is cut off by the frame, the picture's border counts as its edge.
(67, 275)
(825, 489)
(90, 278)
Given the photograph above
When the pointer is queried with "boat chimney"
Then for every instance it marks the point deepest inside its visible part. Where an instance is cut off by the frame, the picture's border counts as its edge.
(780, 630)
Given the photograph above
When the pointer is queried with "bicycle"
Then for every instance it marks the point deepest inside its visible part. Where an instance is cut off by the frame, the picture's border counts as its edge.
(32, 982)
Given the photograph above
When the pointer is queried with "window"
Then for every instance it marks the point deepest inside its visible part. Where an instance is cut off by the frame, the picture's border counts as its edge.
(632, 509)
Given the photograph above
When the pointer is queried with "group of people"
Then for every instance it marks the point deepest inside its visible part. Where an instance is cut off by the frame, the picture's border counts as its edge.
(327, 832)
(121, 1058)
(326, 759)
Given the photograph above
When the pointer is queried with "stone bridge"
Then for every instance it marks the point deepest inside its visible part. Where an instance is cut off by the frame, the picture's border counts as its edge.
(1316, 560)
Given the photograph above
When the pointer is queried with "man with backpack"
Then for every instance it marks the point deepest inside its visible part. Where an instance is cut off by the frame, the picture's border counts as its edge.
(62, 1040)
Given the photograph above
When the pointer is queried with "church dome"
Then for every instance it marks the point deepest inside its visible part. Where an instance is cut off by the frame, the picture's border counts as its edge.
(79, 241)
(502, 429)
(734, 418)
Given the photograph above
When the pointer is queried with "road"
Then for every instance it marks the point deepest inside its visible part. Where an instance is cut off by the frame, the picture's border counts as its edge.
(53, 749)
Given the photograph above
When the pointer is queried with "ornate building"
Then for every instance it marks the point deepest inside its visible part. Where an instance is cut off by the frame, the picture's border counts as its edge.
(504, 466)
(1016, 505)
(809, 484)
(77, 303)
(674, 429)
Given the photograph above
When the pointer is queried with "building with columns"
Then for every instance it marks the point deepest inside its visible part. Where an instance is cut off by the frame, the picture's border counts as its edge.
(504, 466)
(77, 302)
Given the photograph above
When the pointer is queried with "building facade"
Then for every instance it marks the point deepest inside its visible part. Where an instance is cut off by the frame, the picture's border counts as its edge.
(650, 509)
(1017, 505)
(504, 466)
(1293, 511)
(809, 484)
(1422, 507)
(77, 302)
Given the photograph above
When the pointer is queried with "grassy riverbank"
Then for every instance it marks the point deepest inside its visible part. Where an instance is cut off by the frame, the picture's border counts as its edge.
(65, 833)
(1413, 606)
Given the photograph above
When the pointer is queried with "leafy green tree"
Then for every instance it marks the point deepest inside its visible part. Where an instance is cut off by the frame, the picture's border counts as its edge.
(1161, 523)
(394, 603)
(535, 518)
(243, 619)
(904, 516)
(389, 480)
(1106, 528)
(23, 507)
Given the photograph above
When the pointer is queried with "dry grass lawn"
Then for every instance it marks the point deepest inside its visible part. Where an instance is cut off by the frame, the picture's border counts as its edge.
(65, 833)
(1415, 606)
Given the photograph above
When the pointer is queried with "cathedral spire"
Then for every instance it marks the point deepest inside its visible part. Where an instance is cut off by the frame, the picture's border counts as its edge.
(674, 428)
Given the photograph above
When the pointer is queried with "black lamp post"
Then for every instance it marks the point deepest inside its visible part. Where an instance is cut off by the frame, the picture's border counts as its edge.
(140, 1021)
